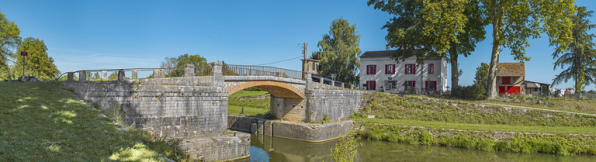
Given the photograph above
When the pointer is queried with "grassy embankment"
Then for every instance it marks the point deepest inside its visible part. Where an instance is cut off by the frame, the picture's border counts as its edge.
(44, 122)
(416, 120)
(253, 108)
(552, 103)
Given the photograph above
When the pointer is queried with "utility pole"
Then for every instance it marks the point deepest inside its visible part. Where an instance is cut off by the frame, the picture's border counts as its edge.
(304, 66)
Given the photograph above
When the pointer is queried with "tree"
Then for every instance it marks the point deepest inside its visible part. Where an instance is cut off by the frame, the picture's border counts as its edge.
(416, 29)
(514, 22)
(339, 52)
(37, 62)
(9, 39)
(180, 62)
(481, 78)
(580, 57)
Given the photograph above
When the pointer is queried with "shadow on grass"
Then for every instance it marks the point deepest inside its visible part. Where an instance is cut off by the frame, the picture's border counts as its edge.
(43, 122)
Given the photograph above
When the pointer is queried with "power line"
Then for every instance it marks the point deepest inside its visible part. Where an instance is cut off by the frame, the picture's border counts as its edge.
(279, 61)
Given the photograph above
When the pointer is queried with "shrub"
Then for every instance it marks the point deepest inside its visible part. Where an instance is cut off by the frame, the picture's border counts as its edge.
(472, 92)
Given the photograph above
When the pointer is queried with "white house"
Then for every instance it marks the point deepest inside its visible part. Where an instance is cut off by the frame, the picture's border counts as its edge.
(378, 72)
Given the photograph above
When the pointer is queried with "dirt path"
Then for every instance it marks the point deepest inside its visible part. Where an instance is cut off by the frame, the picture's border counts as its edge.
(523, 107)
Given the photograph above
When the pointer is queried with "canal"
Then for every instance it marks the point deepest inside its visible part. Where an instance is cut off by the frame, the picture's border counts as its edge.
(266, 148)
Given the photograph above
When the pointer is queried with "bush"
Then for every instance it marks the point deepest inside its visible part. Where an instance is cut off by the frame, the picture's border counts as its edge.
(472, 92)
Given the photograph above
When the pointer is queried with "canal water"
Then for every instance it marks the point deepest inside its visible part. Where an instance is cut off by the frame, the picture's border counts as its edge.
(266, 148)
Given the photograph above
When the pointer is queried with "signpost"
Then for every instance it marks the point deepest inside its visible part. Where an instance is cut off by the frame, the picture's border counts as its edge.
(23, 53)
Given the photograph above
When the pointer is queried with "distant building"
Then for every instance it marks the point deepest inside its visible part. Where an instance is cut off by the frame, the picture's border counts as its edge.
(510, 78)
(536, 88)
(378, 72)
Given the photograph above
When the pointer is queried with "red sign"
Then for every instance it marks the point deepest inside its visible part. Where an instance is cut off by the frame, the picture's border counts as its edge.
(23, 53)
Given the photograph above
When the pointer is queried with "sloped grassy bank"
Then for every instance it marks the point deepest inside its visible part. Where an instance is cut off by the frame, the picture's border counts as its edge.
(43, 122)
(391, 106)
(415, 120)
(560, 144)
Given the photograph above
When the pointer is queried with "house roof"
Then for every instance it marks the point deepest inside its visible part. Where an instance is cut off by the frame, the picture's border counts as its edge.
(535, 82)
(511, 69)
(371, 54)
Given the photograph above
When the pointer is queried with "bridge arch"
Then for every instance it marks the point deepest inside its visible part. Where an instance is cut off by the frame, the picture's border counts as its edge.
(277, 89)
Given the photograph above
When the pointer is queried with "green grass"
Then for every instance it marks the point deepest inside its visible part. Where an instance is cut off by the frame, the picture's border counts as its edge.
(254, 107)
(570, 105)
(248, 111)
(43, 122)
(482, 127)
(245, 93)
(560, 144)
(554, 103)
(390, 106)
(460, 123)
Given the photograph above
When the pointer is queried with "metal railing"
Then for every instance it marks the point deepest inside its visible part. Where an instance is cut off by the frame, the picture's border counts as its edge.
(253, 70)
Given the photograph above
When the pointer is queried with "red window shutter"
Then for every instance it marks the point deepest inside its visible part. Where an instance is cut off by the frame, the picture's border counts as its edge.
(367, 83)
(435, 85)
(425, 84)
(414, 84)
(406, 69)
(393, 68)
(367, 71)
(374, 85)
(414, 70)
(386, 72)
(375, 69)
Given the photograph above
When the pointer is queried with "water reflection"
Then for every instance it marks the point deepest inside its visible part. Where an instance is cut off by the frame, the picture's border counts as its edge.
(265, 148)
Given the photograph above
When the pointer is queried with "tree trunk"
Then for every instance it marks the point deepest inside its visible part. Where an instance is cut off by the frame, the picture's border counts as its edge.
(494, 60)
(454, 68)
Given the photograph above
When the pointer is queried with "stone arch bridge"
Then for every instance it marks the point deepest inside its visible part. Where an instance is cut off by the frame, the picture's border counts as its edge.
(196, 107)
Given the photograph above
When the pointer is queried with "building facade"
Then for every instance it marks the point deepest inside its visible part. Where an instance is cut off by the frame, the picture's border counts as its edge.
(379, 72)
(510, 78)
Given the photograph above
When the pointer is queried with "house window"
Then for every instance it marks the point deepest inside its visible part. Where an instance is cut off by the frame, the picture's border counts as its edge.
(506, 80)
(410, 68)
(431, 68)
(371, 69)
(390, 69)
(409, 85)
(371, 85)
(430, 85)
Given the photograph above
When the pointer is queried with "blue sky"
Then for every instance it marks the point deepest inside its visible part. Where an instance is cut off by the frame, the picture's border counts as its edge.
(140, 34)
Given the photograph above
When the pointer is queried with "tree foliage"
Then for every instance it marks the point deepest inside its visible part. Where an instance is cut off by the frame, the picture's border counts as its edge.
(420, 27)
(580, 57)
(481, 78)
(9, 39)
(37, 63)
(514, 22)
(339, 52)
(345, 149)
(180, 62)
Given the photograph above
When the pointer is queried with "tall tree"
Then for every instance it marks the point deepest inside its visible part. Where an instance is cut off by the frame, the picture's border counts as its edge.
(9, 40)
(580, 58)
(339, 52)
(419, 27)
(481, 78)
(179, 63)
(514, 22)
(37, 63)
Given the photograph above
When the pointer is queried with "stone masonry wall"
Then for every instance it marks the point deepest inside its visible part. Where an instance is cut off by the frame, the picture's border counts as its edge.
(288, 109)
(336, 104)
(168, 107)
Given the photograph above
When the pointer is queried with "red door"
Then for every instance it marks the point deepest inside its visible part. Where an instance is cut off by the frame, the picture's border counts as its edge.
(502, 89)
(513, 90)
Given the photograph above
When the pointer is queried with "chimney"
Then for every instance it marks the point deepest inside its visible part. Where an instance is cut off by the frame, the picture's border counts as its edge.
(387, 47)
